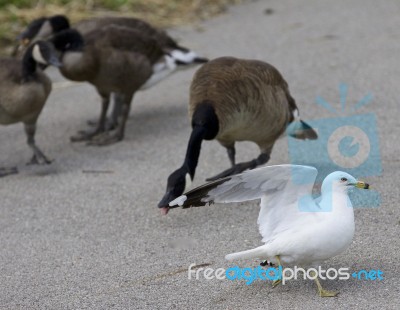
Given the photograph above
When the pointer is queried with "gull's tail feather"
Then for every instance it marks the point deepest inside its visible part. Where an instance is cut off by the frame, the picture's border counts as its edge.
(253, 253)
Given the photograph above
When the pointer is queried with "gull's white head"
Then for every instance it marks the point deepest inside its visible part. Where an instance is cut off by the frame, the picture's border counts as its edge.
(340, 180)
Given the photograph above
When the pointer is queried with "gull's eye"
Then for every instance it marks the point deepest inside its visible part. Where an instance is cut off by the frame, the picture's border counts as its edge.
(343, 179)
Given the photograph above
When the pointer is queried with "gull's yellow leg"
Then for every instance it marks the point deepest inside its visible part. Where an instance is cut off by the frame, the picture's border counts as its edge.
(277, 282)
(322, 292)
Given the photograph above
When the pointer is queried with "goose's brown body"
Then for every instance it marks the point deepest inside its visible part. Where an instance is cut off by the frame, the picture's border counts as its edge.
(250, 97)
(21, 101)
(24, 89)
(114, 59)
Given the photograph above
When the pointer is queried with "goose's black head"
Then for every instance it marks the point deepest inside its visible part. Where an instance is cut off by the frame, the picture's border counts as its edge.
(43, 27)
(176, 185)
(68, 40)
(59, 23)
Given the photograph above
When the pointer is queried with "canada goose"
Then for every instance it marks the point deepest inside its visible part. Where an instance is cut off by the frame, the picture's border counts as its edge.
(233, 100)
(23, 92)
(47, 26)
(115, 60)
(297, 229)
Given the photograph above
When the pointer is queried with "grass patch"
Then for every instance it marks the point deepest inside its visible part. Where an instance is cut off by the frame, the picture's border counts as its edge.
(16, 14)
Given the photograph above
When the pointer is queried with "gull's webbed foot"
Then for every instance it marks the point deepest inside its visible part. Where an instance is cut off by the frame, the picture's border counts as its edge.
(321, 291)
(275, 283)
(325, 293)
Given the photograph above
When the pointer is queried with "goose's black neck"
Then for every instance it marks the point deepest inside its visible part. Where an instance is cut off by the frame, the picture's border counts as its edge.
(28, 65)
(193, 150)
(205, 126)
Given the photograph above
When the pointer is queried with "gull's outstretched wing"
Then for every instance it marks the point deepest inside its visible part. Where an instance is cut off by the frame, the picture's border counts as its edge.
(281, 209)
(276, 185)
(283, 189)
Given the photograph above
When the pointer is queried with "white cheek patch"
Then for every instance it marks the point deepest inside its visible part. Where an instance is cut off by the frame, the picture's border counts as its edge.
(45, 31)
(188, 183)
(37, 55)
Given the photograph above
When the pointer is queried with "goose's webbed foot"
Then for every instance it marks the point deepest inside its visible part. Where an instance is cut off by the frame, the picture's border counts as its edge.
(8, 171)
(106, 138)
(87, 135)
(39, 158)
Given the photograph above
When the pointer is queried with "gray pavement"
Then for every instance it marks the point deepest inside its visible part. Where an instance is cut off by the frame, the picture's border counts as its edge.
(75, 240)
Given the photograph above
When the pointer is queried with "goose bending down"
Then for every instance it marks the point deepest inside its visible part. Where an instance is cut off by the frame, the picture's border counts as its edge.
(46, 27)
(24, 89)
(115, 60)
(233, 100)
(297, 229)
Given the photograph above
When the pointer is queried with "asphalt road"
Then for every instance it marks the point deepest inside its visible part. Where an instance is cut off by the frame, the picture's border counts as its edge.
(76, 240)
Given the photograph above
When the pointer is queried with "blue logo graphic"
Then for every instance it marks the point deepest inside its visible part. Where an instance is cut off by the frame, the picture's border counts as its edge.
(371, 275)
(249, 275)
(252, 274)
(346, 142)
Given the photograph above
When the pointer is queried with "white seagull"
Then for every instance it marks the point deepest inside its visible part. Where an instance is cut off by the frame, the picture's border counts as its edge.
(296, 228)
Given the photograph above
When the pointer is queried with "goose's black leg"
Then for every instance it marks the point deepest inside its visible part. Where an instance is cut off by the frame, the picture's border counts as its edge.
(231, 154)
(101, 125)
(118, 134)
(240, 167)
(116, 112)
(38, 157)
(112, 121)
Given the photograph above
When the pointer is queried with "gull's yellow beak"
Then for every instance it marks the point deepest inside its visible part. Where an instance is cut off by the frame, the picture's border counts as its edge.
(361, 184)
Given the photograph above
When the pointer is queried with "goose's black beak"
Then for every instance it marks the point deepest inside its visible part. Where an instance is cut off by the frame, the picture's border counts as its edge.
(164, 203)
(164, 211)
(200, 60)
(55, 62)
